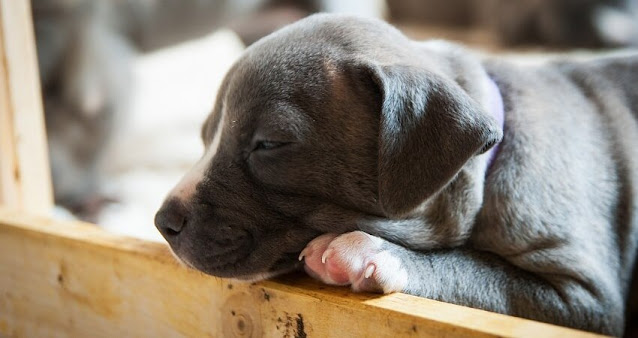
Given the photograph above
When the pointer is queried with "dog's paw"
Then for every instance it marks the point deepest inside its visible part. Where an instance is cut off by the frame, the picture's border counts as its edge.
(355, 259)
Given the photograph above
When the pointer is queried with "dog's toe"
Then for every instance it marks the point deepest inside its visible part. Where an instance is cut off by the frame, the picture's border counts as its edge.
(355, 259)
(313, 256)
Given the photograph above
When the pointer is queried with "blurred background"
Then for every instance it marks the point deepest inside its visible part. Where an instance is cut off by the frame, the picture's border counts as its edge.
(127, 83)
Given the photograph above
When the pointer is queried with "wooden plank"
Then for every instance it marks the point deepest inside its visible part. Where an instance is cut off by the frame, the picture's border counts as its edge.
(24, 172)
(73, 279)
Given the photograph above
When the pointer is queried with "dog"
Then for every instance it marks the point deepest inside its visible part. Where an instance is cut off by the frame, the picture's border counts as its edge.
(386, 164)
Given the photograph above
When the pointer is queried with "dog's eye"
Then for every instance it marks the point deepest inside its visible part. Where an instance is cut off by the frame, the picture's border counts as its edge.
(268, 145)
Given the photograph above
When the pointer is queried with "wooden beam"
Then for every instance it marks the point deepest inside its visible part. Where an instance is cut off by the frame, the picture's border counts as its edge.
(24, 171)
(74, 279)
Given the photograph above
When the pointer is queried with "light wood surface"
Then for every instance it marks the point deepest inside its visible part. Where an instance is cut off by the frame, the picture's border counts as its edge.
(24, 172)
(73, 279)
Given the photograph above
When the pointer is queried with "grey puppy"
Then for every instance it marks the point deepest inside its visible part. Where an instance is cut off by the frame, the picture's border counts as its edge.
(373, 153)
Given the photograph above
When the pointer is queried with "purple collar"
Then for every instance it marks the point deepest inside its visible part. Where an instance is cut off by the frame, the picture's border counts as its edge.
(495, 105)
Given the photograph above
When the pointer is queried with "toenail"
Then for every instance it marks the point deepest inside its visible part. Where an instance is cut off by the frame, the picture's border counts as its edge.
(369, 271)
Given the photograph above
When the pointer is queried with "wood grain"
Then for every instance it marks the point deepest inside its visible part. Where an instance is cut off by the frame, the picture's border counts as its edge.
(73, 279)
(24, 171)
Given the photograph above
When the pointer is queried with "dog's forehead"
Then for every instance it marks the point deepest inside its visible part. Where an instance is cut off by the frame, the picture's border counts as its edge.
(275, 72)
(291, 73)
(261, 89)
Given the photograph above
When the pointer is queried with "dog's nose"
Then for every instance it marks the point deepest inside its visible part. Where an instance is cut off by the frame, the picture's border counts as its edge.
(171, 218)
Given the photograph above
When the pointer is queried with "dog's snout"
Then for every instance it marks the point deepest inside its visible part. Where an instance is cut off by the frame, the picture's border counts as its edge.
(171, 219)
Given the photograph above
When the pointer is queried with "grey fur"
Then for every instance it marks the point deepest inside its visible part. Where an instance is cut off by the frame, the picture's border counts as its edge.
(549, 234)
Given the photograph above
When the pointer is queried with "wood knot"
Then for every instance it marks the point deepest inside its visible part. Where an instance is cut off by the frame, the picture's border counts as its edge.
(241, 316)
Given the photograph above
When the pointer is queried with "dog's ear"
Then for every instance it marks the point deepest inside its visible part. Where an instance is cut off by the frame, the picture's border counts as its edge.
(429, 128)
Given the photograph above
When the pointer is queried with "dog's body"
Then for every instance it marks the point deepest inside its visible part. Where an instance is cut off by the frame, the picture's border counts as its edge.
(338, 124)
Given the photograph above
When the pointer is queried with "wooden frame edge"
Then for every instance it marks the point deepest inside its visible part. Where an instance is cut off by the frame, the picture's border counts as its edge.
(75, 279)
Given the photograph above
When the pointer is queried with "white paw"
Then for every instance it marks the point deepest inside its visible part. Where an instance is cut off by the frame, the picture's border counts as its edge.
(355, 259)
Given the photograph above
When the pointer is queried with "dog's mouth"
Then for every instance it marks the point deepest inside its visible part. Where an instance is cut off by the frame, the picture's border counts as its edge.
(283, 265)
(286, 263)
(212, 260)
(237, 262)
(224, 261)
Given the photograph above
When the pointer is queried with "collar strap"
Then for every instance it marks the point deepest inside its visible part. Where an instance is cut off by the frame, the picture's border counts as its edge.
(495, 106)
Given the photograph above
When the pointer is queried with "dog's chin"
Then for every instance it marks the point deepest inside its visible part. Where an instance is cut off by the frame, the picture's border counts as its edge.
(265, 275)
(183, 262)
(280, 267)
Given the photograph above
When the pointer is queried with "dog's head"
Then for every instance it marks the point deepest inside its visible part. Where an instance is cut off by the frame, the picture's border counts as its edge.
(323, 123)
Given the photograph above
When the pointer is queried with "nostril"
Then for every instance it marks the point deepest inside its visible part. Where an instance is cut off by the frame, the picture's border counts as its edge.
(176, 227)
(171, 232)
(171, 219)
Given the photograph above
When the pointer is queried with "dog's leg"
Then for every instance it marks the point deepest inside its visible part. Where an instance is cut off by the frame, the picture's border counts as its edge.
(462, 276)
(442, 222)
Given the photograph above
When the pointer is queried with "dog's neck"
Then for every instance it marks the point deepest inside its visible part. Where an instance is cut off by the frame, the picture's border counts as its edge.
(495, 107)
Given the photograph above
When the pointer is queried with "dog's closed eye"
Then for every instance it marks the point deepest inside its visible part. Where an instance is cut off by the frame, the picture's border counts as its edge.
(268, 145)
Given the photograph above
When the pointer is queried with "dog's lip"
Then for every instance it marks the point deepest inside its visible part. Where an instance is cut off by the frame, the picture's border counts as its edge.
(240, 252)
(229, 250)
(213, 268)
(215, 261)
(286, 263)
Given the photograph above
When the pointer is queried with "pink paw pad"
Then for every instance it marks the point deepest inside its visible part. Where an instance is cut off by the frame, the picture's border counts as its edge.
(355, 259)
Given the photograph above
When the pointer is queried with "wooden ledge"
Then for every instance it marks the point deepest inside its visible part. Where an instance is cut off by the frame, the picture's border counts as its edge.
(74, 279)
